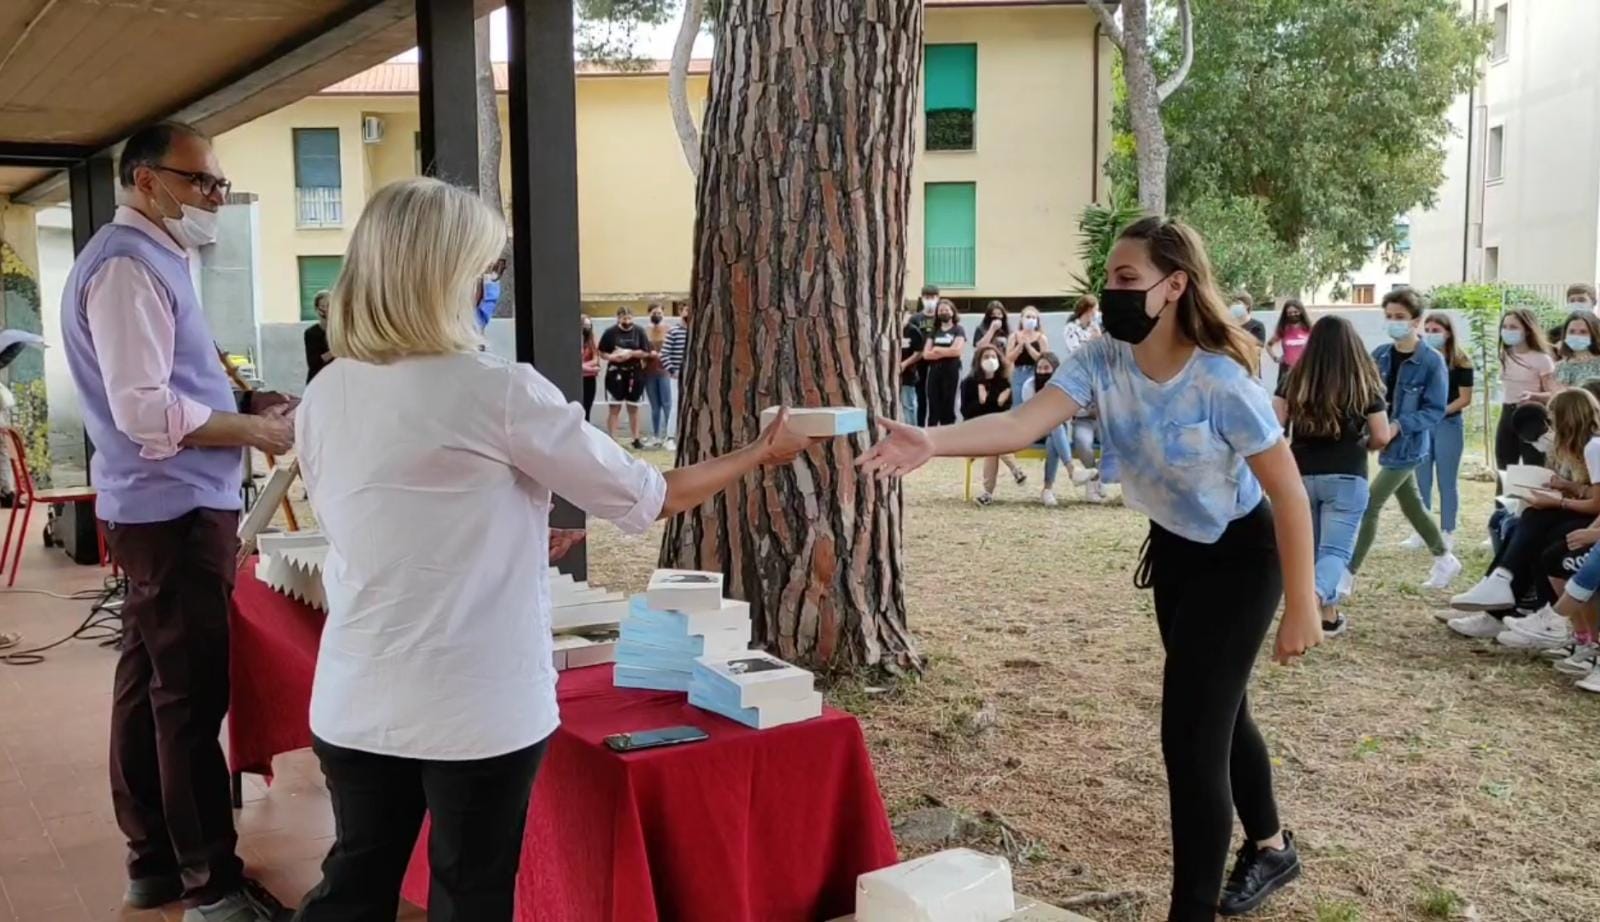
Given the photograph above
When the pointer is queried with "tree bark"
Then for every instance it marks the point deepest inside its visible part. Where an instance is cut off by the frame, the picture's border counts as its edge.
(1145, 93)
(678, 83)
(799, 274)
(489, 144)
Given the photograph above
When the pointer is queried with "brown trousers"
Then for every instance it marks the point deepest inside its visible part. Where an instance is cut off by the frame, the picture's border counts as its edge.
(169, 780)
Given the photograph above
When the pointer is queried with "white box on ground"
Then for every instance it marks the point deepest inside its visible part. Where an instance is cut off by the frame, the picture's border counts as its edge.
(820, 422)
(685, 591)
(958, 885)
(759, 678)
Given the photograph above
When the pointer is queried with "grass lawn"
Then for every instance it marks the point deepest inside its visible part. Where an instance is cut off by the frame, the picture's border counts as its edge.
(1428, 776)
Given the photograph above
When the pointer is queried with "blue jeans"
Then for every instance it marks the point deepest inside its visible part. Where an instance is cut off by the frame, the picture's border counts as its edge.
(1020, 375)
(908, 404)
(1586, 581)
(1057, 448)
(658, 390)
(1449, 440)
(1337, 503)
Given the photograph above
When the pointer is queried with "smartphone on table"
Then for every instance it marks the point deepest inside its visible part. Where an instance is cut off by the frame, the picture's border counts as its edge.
(653, 739)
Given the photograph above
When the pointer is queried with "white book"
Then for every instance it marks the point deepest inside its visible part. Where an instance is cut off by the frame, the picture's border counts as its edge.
(754, 679)
(583, 597)
(731, 615)
(767, 716)
(820, 422)
(574, 652)
(685, 591)
(569, 618)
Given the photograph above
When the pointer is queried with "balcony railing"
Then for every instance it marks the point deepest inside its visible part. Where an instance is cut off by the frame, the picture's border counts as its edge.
(321, 206)
(952, 267)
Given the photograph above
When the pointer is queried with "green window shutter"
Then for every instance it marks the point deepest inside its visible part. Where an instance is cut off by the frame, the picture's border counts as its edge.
(952, 77)
(950, 233)
(317, 273)
(316, 158)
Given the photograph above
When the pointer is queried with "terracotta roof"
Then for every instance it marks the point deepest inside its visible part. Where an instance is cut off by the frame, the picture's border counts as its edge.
(400, 79)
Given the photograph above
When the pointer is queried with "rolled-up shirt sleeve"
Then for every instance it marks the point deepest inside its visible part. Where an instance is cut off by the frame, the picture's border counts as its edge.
(134, 336)
(550, 441)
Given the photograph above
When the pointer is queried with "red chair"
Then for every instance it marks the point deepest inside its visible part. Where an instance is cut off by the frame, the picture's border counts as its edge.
(28, 496)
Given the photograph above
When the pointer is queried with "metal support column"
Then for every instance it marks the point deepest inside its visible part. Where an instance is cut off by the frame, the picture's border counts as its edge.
(448, 91)
(544, 208)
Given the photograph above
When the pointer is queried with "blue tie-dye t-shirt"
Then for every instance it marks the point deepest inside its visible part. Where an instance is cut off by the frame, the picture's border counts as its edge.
(1181, 444)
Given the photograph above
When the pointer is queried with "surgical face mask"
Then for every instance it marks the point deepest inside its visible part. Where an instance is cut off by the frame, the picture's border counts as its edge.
(194, 227)
(1510, 337)
(1578, 343)
(1435, 341)
(1238, 310)
(991, 365)
(1030, 323)
(1398, 329)
(929, 305)
(1544, 443)
(1582, 304)
(1124, 311)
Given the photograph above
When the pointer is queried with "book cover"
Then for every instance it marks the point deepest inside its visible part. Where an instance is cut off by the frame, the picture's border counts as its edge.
(756, 678)
(730, 614)
(625, 676)
(764, 717)
(685, 591)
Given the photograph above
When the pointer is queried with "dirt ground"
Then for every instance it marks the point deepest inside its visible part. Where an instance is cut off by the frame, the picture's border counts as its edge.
(1427, 776)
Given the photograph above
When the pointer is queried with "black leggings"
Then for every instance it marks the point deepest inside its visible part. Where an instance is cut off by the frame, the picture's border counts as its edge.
(1214, 603)
(588, 395)
(1536, 531)
(943, 385)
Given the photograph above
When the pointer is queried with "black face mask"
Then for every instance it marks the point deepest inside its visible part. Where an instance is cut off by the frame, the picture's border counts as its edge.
(1040, 379)
(1122, 311)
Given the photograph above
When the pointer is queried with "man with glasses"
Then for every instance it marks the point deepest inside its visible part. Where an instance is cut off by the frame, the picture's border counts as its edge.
(168, 432)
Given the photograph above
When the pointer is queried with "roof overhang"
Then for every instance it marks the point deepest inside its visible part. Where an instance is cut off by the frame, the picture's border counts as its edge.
(77, 75)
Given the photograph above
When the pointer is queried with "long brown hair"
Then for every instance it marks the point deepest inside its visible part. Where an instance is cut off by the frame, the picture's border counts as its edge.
(1334, 380)
(1588, 320)
(1574, 421)
(1532, 336)
(1003, 373)
(1202, 317)
(1453, 354)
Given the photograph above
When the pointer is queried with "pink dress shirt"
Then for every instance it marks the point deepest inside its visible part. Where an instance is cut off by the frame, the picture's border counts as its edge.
(133, 330)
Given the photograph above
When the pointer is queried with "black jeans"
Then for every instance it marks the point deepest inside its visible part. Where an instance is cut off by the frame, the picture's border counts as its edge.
(169, 780)
(479, 809)
(1214, 603)
(1508, 449)
(588, 395)
(1536, 531)
(944, 383)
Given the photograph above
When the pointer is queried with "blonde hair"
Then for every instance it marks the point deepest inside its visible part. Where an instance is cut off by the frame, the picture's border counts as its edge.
(1574, 421)
(411, 273)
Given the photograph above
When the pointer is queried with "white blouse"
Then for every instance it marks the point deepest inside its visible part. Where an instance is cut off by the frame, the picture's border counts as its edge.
(433, 479)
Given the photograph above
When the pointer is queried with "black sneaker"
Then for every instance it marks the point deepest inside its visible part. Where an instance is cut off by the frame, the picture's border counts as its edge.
(638, 445)
(1336, 627)
(152, 892)
(1020, 475)
(1257, 874)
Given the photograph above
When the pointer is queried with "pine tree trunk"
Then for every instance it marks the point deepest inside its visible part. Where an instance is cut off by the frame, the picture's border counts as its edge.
(1144, 108)
(799, 275)
(489, 146)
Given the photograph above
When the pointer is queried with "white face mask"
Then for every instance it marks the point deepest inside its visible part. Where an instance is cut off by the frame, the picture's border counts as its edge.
(1544, 443)
(194, 228)
(1030, 323)
(929, 305)
(1239, 311)
(991, 366)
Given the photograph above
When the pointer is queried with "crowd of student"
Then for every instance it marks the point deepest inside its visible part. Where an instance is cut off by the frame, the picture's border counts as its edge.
(642, 365)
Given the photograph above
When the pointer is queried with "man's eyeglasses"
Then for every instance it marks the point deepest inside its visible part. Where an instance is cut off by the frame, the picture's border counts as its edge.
(207, 184)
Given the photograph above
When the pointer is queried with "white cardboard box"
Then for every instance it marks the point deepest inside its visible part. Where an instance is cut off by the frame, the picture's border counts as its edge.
(685, 591)
(820, 422)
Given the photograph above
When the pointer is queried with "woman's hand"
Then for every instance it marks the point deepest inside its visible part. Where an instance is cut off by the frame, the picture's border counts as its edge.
(1298, 632)
(1582, 538)
(1543, 499)
(901, 450)
(780, 443)
(563, 540)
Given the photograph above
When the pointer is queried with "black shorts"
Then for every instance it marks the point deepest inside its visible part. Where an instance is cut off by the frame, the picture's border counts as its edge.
(625, 384)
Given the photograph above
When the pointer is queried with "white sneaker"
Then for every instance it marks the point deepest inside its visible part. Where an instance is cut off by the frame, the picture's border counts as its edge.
(1094, 492)
(1445, 569)
(1413, 543)
(1590, 684)
(1449, 541)
(1580, 663)
(1481, 626)
(1347, 585)
(985, 499)
(1541, 631)
(1048, 498)
(1493, 593)
(1083, 475)
(1445, 615)
(1556, 654)
(670, 444)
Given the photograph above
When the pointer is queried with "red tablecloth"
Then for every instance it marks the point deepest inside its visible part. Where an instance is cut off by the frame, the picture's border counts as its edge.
(748, 826)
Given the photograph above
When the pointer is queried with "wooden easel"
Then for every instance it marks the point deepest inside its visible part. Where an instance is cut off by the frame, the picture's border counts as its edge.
(243, 385)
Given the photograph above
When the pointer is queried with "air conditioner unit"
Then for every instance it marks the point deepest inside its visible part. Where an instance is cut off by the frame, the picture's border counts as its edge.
(371, 129)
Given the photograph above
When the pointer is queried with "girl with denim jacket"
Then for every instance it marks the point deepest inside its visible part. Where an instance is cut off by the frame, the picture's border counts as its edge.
(1416, 385)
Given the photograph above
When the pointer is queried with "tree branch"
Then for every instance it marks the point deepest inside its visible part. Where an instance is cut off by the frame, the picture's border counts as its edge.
(1172, 83)
(1109, 21)
(678, 83)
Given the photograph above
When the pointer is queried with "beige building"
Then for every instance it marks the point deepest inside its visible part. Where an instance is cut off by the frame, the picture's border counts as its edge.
(1017, 94)
(1520, 201)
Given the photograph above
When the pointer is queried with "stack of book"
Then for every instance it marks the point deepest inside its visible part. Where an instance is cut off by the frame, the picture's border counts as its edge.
(584, 620)
(756, 689)
(681, 617)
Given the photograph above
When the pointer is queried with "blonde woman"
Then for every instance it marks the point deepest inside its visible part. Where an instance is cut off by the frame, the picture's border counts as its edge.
(1027, 345)
(432, 467)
